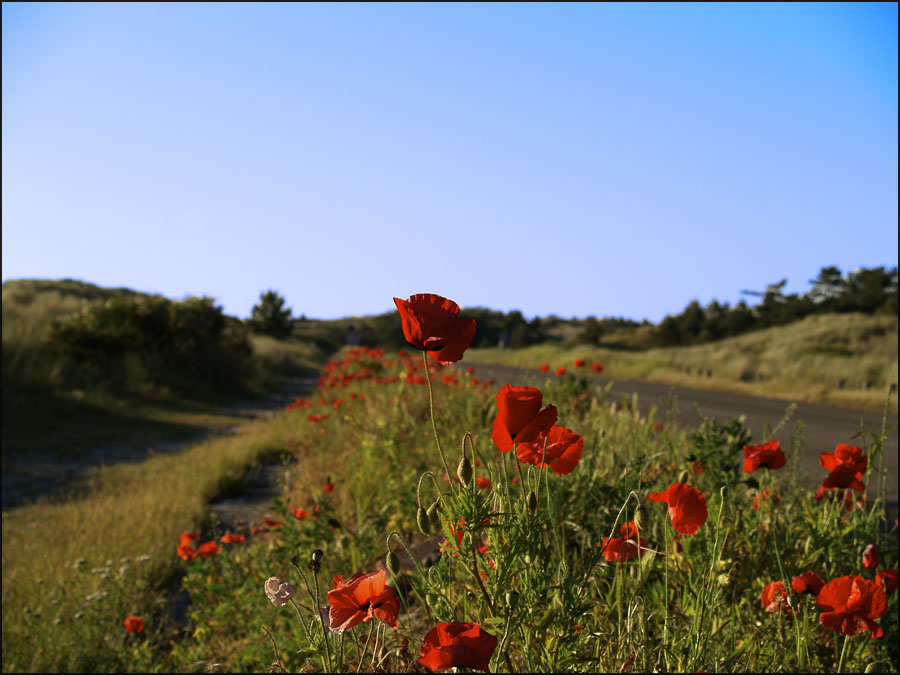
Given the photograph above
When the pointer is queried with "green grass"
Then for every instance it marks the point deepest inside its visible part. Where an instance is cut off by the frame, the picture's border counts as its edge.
(804, 361)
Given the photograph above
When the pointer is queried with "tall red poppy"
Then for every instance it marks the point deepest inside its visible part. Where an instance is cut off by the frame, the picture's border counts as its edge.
(687, 507)
(579, 363)
(774, 598)
(431, 322)
(626, 547)
(598, 367)
(519, 417)
(848, 456)
(209, 549)
(134, 624)
(544, 367)
(564, 449)
(809, 582)
(360, 599)
(844, 477)
(457, 645)
(851, 604)
(767, 455)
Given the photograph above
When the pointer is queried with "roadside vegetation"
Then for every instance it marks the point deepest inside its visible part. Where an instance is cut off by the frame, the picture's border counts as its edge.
(543, 566)
(846, 360)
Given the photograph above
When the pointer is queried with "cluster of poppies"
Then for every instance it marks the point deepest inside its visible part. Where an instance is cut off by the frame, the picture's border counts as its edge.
(847, 465)
(579, 363)
(364, 597)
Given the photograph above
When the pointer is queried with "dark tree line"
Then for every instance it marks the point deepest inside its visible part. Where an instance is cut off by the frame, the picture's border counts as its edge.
(867, 290)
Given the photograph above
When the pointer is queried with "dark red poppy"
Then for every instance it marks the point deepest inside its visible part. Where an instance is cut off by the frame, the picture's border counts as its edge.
(360, 599)
(617, 549)
(887, 579)
(848, 456)
(134, 624)
(544, 368)
(431, 322)
(579, 363)
(519, 417)
(563, 451)
(598, 367)
(687, 507)
(844, 477)
(767, 455)
(809, 582)
(851, 604)
(870, 557)
(329, 486)
(457, 645)
(774, 598)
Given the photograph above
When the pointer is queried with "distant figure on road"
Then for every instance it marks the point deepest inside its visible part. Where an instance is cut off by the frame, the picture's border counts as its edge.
(352, 335)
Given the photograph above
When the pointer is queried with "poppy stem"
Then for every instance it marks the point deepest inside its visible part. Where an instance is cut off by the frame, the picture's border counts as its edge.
(437, 440)
(843, 651)
(322, 623)
(365, 646)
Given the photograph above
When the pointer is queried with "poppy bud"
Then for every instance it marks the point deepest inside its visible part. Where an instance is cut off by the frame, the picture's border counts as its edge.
(393, 563)
(640, 517)
(532, 501)
(464, 471)
(435, 515)
(684, 476)
(512, 599)
(295, 560)
(317, 555)
(423, 521)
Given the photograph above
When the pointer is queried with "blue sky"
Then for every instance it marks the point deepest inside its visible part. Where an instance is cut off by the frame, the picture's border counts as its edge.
(573, 159)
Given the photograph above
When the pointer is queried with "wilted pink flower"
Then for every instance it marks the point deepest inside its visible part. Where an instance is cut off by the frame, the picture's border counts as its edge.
(278, 591)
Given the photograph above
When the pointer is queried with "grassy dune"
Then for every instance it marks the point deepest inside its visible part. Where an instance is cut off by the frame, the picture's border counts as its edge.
(804, 361)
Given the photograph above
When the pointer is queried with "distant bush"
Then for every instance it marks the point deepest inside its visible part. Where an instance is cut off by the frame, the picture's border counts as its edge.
(189, 345)
(270, 316)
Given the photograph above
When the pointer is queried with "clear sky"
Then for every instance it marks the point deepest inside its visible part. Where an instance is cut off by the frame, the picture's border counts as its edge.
(573, 159)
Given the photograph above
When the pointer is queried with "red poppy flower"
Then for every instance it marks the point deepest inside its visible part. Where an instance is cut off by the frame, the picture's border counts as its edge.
(564, 449)
(186, 552)
(544, 368)
(851, 604)
(134, 624)
(808, 582)
(360, 599)
(209, 549)
(470, 371)
(560, 371)
(687, 507)
(579, 363)
(774, 598)
(617, 549)
(887, 579)
(187, 537)
(431, 322)
(232, 538)
(299, 514)
(844, 477)
(270, 522)
(598, 367)
(870, 557)
(329, 486)
(483, 483)
(519, 417)
(848, 456)
(457, 645)
(767, 455)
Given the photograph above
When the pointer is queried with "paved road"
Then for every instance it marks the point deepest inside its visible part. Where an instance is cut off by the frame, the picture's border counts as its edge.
(825, 426)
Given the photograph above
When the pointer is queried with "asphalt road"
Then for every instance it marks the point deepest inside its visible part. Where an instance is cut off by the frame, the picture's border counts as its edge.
(824, 426)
